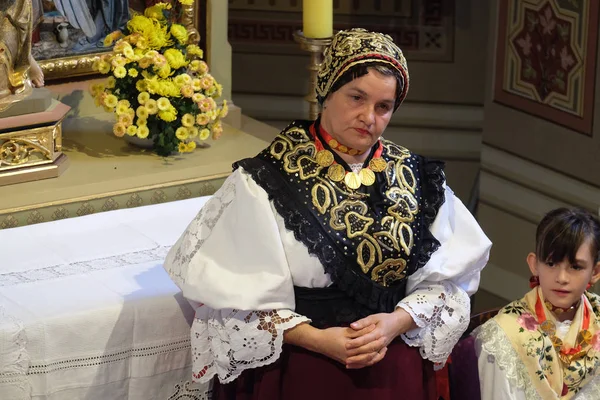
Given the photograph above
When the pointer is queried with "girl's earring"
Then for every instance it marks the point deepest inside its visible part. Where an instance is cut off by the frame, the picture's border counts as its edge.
(589, 285)
(534, 281)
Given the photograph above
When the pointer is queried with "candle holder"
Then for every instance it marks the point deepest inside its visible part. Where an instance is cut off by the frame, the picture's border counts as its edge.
(315, 47)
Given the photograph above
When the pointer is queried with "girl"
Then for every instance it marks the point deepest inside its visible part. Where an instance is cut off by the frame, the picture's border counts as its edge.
(547, 344)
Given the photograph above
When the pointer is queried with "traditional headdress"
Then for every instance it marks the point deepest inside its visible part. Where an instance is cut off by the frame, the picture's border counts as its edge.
(359, 46)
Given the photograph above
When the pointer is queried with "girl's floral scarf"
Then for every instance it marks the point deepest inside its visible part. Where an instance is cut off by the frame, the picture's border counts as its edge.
(557, 368)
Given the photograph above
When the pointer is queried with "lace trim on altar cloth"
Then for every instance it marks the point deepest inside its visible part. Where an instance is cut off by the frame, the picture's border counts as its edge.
(227, 342)
(157, 253)
(441, 312)
(492, 339)
(14, 359)
(177, 344)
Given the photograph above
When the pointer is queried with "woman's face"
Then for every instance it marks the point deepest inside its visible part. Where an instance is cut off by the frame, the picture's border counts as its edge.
(357, 113)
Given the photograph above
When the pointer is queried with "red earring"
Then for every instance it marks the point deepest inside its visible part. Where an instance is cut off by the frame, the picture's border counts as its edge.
(534, 281)
(589, 285)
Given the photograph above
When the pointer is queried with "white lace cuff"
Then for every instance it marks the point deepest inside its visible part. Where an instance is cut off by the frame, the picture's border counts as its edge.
(227, 342)
(441, 311)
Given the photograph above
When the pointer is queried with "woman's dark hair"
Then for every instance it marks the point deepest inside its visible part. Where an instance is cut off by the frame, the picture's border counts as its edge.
(359, 70)
(562, 231)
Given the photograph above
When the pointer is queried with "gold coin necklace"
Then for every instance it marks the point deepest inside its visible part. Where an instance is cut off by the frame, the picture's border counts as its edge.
(352, 179)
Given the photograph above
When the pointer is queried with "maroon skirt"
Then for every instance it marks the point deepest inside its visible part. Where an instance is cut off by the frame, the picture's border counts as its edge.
(302, 374)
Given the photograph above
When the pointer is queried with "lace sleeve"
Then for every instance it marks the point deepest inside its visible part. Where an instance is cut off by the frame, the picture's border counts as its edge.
(227, 342)
(441, 311)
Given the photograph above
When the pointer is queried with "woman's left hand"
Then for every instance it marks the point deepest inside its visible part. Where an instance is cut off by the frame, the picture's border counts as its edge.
(387, 327)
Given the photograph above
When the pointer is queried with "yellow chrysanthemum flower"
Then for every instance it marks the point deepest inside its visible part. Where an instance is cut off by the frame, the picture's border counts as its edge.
(182, 133)
(122, 109)
(164, 71)
(110, 82)
(141, 85)
(120, 72)
(211, 91)
(205, 105)
(104, 67)
(167, 116)
(204, 134)
(154, 12)
(151, 106)
(224, 109)
(186, 2)
(188, 120)
(163, 6)
(187, 91)
(193, 131)
(143, 97)
(111, 37)
(111, 101)
(125, 102)
(126, 119)
(175, 58)
(178, 80)
(132, 72)
(94, 89)
(139, 24)
(199, 66)
(145, 62)
(143, 131)
(141, 122)
(191, 146)
(142, 112)
(180, 33)
(194, 51)
(119, 129)
(128, 52)
(163, 104)
(196, 84)
(132, 130)
(202, 119)
(182, 148)
(198, 97)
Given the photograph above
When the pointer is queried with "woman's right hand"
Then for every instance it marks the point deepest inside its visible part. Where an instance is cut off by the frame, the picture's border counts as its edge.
(332, 342)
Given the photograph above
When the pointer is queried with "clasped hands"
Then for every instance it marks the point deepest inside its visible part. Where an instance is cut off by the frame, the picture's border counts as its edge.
(364, 342)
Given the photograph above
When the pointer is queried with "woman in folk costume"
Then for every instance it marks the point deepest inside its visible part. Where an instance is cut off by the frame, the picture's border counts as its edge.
(547, 344)
(335, 264)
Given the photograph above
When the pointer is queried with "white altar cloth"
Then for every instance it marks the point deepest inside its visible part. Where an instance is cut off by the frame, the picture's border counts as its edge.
(87, 311)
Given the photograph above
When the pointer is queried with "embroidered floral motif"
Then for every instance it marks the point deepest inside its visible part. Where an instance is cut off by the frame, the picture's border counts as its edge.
(227, 342)
(562, 369)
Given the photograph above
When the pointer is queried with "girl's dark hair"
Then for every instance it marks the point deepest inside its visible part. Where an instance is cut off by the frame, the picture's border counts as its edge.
(562, 231)
(359, 70)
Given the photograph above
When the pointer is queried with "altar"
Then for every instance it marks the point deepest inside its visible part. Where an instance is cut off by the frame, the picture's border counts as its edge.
(87, 311)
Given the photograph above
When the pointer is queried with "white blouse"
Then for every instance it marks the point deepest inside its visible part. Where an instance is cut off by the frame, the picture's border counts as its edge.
(238, 264)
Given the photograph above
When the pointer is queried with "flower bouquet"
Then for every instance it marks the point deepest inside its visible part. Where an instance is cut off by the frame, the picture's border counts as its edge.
(158, 86)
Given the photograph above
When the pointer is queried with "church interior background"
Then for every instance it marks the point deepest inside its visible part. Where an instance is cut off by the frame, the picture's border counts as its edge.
(515, 146)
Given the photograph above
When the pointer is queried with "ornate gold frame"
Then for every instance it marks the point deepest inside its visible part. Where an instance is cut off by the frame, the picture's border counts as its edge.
(67, 67)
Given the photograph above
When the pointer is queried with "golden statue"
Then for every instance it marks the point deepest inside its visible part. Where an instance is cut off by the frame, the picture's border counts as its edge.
(19, 72)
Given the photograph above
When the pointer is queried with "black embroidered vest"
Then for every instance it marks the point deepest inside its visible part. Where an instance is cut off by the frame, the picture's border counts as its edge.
(368, 240)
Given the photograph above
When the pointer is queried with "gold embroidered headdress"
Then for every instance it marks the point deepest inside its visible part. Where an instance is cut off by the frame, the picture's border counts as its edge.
(358, 46)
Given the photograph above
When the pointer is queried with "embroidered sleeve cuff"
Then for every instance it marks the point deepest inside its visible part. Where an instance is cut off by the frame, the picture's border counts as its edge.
(441, 312)
(227, 342)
